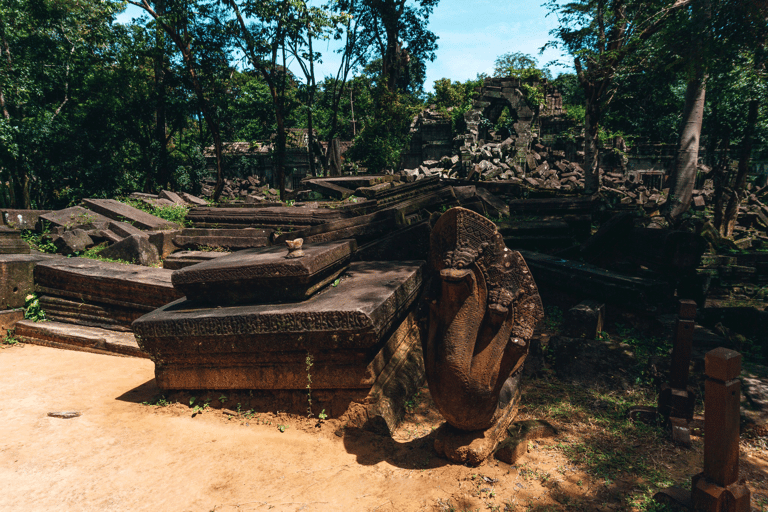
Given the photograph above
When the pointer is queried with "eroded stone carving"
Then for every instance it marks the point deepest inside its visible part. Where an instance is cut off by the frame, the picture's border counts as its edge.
(483, 309)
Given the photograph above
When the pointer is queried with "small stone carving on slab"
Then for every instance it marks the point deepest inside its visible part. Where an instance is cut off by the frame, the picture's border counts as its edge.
(483, 309)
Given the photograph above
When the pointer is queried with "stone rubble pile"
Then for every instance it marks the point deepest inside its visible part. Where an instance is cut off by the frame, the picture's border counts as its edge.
(249, 189)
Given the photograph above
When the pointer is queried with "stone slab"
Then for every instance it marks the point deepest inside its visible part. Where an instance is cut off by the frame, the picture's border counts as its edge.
(11, 242)
(22, 219)
(75, 337)
(264, 346)
(360, 228)
(264, 274)
(184, 259)
(118, 211)
(93, 281)
(73, 217)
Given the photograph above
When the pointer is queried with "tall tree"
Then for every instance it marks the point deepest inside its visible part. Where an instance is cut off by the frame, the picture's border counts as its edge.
(195, 30)
(599, 35)
(398, 29)
(45, 46)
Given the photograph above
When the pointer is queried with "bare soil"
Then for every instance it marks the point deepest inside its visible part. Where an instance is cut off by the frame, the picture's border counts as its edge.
(120, 454)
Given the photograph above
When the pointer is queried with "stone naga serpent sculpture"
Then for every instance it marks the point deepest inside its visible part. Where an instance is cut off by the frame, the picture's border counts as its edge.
(484, 305)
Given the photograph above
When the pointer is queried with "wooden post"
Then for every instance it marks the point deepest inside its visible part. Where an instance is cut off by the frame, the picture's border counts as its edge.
(677, 399)
(717, 488)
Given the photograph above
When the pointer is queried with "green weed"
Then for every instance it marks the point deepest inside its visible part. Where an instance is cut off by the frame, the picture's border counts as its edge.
(32, 309)
(10, 339)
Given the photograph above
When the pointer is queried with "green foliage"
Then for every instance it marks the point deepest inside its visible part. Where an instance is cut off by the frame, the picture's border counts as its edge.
(381, 141)
(32, 309)
(39, 241)
(157, 401)
(521, 66)
(93, 254)
(175, 213)
(553, 318)
(309, 361)
(455, 99)
(10, 339)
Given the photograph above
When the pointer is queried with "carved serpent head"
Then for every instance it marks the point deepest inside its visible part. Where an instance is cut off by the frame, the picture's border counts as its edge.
(482, 315)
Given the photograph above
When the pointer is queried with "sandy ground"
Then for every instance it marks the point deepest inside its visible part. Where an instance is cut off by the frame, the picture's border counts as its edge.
(122, 455)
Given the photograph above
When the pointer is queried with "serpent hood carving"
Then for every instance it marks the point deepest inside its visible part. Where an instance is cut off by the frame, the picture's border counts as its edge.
(483, 309)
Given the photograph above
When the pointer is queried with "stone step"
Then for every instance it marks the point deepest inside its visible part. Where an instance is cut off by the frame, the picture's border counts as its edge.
(273, 216)
(183, 259)
(77, 337)
(194, 238)
(101, 282)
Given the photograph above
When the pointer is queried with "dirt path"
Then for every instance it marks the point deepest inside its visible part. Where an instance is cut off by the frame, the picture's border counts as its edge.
(122, 455)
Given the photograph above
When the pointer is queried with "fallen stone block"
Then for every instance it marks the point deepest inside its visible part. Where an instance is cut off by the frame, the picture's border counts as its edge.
(173, 197)
(585, 320)
(118, 211)
(193, 200)
(73, 217)
(134, 249)
(22, 219)
(72, 241)
(164, 241)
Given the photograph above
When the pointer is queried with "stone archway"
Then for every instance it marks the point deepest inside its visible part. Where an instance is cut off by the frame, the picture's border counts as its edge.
(495, 94)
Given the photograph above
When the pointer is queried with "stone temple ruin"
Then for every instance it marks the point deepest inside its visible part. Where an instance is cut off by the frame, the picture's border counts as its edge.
(368, 286)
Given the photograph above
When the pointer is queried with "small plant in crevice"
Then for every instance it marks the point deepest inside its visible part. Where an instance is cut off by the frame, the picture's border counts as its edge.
(32, 309)
(158, 401)
(309, 361)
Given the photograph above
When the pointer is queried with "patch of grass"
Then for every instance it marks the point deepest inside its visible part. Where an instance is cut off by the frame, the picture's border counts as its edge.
(412, 403)
(553, 319)
(40, 241)
(175, 213)
(210, 248)
(600, 439)
(93, 254)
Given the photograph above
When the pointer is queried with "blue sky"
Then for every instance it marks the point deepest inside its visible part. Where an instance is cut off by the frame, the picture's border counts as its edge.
(471, 34)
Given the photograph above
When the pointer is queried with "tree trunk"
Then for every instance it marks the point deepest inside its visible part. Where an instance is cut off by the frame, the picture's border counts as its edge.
(334, 157)
(683, 176)
(310, 103)
(721, 176)
(591, 154)
(161, 166)
(740, 187)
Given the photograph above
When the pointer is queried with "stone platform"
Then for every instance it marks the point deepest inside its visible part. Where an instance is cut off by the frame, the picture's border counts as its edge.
(363, 345)
(264, 274)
